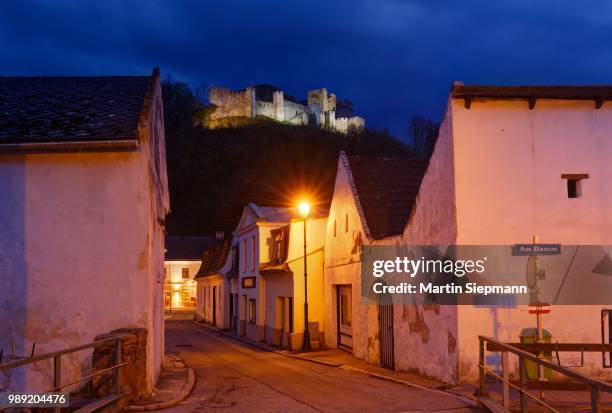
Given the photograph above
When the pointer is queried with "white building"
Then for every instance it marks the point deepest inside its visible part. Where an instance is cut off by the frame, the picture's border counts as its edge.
(182, 262)
(498, 176)
(84, 197)
(270, 296)
(509, 163)
(214, 286)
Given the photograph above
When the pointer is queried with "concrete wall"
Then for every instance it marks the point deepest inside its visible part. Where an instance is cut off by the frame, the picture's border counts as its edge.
(516, 188)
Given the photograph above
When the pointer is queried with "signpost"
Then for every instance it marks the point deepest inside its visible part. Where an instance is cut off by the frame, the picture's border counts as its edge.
(533, 276)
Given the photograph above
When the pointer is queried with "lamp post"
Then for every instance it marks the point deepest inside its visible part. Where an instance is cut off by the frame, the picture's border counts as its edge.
(304, 209)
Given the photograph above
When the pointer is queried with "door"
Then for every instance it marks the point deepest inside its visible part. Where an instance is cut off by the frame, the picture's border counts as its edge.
(214, 306)
(231, 311)
(385, 319)
(167, 299)
(345, 315)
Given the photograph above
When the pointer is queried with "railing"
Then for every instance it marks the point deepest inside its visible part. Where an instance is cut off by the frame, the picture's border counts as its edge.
(57, 364)
(596, 386)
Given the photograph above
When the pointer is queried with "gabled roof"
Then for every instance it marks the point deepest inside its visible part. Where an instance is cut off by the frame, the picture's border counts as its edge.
(44, 110)
(214, 258)
(188, 248)
(385, 191)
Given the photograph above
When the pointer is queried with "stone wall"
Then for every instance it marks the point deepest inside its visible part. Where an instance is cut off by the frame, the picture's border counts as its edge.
(231, 103)
(132, 377)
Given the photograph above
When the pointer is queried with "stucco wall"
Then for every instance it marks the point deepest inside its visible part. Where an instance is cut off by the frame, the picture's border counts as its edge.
(515, 188)
(81, 250)
(426, 336)
(74, 256)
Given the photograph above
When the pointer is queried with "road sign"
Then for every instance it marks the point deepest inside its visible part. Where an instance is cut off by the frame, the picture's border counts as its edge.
(539, 308)
(536, 249)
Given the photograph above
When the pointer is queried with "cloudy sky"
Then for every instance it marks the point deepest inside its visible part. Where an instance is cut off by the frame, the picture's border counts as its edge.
(394, 59)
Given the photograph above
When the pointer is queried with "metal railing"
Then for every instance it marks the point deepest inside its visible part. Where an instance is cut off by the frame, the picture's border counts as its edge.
(57, 364)
(595, 386)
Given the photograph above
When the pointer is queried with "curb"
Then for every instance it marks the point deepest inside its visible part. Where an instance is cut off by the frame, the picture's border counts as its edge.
(183, 394)
(470, 402)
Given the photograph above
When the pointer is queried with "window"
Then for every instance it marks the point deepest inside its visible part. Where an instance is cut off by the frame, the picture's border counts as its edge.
(185, 272)
(346, 223)
(252, 306)
(279, 238)
(345, 310)
(252, 253)
(243, 254)
(574, 184)
(186, 294)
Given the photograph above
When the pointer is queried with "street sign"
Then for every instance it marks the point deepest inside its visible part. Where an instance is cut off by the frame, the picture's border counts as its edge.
(536, 249)
(539, 308)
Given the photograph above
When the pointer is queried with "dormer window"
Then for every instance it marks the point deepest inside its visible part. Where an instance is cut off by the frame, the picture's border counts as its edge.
(574, 184)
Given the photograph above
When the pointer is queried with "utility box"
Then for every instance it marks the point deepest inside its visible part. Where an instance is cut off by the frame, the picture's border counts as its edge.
(528, 336)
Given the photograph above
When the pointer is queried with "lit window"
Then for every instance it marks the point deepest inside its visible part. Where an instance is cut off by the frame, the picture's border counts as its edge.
(186, 294)
(185, 272)
(574, 184)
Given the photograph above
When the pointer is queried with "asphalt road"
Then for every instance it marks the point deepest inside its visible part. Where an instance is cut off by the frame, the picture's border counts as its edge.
(236, 377)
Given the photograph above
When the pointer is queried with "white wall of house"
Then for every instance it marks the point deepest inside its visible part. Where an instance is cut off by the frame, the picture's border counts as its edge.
(344, 235)
(508, 166)
(219, 283)
(81, 251)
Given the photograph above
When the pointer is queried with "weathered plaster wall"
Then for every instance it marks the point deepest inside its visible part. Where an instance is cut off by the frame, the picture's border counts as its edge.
(74, 253)
(430, 332)
(508, 163)
(81, 250)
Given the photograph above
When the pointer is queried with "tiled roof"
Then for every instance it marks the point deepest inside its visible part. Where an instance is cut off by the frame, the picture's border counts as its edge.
(67, 109)
(387, 190)
(214, 258)
(188, 248)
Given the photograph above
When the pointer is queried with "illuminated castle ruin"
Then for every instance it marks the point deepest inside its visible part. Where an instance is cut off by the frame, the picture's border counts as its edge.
(235, 107)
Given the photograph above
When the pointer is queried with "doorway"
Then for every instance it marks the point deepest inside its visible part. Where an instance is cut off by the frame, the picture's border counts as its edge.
(385, 320)
(214, 306)
(344, 315)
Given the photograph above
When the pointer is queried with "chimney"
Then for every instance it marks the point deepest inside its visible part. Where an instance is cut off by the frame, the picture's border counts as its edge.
(219, 234)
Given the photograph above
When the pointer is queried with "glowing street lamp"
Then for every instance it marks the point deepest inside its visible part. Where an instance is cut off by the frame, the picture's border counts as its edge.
(304, 208)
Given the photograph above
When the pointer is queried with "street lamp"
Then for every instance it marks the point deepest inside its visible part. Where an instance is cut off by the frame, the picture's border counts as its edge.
(304, 208)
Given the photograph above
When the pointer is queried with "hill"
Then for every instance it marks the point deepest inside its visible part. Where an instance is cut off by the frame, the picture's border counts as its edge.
(213, 174)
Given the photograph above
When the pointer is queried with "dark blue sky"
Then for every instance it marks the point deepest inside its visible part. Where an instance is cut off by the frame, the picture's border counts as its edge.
(394, 59)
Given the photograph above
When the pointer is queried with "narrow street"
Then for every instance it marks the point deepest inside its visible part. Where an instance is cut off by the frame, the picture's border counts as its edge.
(235, 377)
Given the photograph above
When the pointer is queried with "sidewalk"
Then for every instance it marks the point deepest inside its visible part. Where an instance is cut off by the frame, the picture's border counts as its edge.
(174, 385)
(339, 358)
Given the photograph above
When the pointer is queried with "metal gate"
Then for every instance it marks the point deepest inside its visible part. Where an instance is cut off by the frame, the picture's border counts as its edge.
(385, 320)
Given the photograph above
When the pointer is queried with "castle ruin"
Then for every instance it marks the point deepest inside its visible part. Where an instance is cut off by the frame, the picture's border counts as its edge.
(235, 107)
